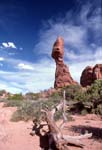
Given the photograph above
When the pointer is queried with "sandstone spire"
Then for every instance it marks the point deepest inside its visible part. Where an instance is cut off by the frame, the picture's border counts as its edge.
(62, 75)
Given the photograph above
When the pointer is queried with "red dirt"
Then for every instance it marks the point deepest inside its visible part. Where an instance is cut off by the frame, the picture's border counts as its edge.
(15, 135)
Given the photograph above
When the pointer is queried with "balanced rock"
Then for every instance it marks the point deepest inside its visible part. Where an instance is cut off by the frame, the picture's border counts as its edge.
(90, 74)
(62, 75)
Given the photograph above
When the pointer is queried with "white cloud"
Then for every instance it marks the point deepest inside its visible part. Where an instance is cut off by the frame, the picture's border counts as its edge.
(25, 66)
(2, 59)
(7, 87)
(91, 55)
(42, 77)
(11, 44)
(5, 44)
(8, 45)
(78, 30)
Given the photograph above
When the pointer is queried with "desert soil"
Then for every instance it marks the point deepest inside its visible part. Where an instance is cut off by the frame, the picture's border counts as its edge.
(16, 135)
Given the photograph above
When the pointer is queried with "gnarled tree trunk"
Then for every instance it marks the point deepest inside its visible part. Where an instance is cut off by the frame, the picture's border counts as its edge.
(54, 133)
(61, 141)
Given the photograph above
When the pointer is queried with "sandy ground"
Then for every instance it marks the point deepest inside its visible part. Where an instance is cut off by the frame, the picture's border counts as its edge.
(15, 136)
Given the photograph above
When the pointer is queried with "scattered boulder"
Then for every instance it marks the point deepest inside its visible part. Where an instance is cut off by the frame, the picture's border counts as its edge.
(90, 74)
(62, 75)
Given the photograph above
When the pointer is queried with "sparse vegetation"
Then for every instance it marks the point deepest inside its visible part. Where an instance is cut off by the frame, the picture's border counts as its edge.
(27, 111)
(32, 96)
(12, 103)
(16, 97)
(32, 109)
(79, 100)
(74, 93)
(14, 100)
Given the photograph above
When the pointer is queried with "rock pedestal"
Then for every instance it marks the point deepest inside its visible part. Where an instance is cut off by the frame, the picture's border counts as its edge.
(62, 75)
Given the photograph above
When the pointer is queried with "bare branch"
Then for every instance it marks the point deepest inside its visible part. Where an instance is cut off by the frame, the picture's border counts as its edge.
(61, 141)
(84, 136)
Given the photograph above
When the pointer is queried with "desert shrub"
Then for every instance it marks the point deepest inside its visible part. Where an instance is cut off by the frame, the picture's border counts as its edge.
(56, 95)
(32, 96)
(12, 103)
(73, 93)
(50, 103)
(95, 90)
(76, 93)
(30, 109)
(14, 100)
(99, 109)
(84, 112)
(59, 115)
(26, 111)
(94, 96)
(16, 97)
(80, 101)
(85, 101)
(2, 100)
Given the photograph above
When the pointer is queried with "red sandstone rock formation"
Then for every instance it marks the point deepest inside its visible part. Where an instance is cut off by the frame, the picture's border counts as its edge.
(62, 75)
(90, 74)
(97, 72)
(86, 77)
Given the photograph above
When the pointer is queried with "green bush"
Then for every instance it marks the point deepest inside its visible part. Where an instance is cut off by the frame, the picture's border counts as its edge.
(32, 96)
(95, 90)
(12, 103)
(16, 97)
(84, 112)
(30, 109)
(26, 111)
(14, 100)
(73, 93)
(99, 109)
(56, 95)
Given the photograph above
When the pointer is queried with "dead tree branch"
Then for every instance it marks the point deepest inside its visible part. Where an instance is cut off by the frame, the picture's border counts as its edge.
(55, 133)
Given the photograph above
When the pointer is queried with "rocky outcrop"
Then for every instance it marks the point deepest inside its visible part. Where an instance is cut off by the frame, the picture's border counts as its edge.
(97, 72)
(86, 77)
(62, 75)
(90, 74)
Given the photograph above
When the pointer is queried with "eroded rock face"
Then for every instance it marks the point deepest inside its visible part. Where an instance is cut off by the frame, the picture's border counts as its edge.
(58, 50)
(90, 74)
(86, 77)
(62, 75)
(97, 72)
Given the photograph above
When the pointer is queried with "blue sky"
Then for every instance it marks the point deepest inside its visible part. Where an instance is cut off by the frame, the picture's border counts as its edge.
(28, 30)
